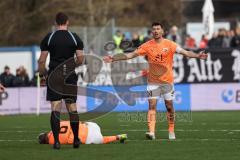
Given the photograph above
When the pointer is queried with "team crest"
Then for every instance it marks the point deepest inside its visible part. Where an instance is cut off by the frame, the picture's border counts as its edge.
(165, 49)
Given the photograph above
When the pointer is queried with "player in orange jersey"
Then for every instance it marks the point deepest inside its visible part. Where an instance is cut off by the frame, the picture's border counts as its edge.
(89, 133)
(159, 52)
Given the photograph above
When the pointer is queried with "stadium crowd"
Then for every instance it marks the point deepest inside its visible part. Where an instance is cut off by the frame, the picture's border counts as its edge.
(20, 79)
(221, 39)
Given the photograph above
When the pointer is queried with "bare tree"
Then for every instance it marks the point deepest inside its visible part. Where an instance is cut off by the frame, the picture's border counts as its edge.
(25, 22)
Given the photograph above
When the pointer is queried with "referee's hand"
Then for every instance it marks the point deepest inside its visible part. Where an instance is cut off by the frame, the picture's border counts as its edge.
(2, 88)
(43, 80)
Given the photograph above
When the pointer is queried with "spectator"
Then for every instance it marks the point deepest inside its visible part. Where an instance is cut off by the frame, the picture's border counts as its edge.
(148, 37)
(141, 37)
(127, 36)
(174, 35)
(117, 38)
(123, 37)
(190, 42)
(225, 39)
(204, 42)
(235, 42)
(229, 36)
(221, 40)
(17, 82)
(24, 75)
(6, 78)
(21, 78)
(213, 41)
(135, 40)
(34, 80)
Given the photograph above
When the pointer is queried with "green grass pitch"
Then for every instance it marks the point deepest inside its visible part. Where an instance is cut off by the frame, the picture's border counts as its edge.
(202, 136)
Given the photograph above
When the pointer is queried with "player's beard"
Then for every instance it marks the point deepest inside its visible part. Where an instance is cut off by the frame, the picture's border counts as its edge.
(157, 37)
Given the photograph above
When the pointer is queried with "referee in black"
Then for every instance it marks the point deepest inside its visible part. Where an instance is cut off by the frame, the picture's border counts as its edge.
(61, 45)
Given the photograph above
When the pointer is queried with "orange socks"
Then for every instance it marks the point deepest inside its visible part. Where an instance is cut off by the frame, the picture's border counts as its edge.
(170, 118)
(151, 117)
(108, 139)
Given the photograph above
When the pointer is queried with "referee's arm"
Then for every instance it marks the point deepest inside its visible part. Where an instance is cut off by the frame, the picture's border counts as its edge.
(43, 56)
(80, 57)
(42, 61)
(79, 50)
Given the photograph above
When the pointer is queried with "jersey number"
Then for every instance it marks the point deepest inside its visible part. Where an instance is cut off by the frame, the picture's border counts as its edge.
(63, 129)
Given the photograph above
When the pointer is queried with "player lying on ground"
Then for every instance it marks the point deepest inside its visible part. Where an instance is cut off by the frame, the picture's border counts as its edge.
(89, 133)
(159, 53)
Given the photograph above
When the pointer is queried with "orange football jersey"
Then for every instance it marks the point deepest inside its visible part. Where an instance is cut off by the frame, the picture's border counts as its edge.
(160, 59)
(66, 134)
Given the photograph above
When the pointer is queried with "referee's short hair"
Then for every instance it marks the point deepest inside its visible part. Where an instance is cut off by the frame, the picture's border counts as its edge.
(61, 18)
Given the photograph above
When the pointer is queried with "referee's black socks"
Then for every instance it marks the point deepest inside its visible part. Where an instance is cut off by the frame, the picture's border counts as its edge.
(55, 125)
(74, 122)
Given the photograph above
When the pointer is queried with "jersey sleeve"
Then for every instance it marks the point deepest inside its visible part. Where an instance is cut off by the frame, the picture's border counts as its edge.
(173, 46)
(142, 50)
(44, 43)
(80, 45)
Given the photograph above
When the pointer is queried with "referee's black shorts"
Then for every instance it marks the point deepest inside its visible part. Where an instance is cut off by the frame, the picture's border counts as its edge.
(55, 96)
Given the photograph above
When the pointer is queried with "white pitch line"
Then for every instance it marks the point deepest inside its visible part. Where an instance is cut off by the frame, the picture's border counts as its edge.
(24, 127)
(17, 140)
(182, 140)
(177, 130)
(125, 125)
(25, 131)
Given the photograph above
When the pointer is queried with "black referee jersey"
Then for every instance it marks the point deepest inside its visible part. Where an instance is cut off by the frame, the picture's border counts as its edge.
(61, 45)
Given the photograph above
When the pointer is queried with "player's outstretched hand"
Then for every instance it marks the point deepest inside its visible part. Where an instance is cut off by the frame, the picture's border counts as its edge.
(202, 55)
(108, 59)
(2, 88)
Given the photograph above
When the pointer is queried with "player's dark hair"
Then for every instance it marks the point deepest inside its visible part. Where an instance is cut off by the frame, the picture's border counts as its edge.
(42, 138)
(157, 24)
(61, 18)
